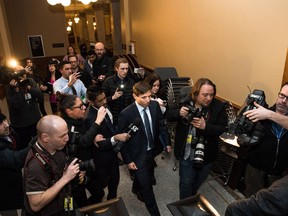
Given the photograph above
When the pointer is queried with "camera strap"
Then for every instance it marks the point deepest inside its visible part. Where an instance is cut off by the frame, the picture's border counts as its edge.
(43, 161)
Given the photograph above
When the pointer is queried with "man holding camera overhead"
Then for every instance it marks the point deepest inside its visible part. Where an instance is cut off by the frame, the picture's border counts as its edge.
(118, 89)
(200, 118)
(22, 98)
(267, 161)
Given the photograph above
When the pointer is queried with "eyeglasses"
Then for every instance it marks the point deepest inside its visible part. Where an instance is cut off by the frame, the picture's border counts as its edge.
(81, 107)
(282, 96)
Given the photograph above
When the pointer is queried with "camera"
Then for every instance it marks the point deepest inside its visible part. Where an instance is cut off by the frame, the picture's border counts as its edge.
(243, 131)
(72, 150)
(192, 113)
(199, 152)
(87, 165)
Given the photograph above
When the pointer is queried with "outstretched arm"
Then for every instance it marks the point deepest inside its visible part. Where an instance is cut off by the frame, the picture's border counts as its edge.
(262, 113)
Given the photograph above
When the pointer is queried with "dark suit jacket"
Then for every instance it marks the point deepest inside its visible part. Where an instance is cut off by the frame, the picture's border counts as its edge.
(135, 149)
(104, 153)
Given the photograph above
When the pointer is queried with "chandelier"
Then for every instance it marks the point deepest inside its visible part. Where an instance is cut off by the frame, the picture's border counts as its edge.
(66, 3)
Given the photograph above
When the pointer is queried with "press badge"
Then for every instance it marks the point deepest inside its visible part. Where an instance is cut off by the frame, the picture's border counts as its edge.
(189, 138)
(68, 204)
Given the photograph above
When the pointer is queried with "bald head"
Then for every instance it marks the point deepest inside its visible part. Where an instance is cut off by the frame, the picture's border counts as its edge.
(99, 50)
(52, 133)
(49, 124)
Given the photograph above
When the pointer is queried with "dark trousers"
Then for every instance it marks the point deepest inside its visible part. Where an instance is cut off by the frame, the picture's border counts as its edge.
(142, 182)
(106, 174)
(191, 178)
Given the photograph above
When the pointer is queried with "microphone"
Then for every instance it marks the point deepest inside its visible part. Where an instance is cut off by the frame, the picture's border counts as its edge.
(133, 127)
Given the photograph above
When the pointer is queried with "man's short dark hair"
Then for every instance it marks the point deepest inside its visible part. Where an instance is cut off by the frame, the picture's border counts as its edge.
(93, 92)
(91, 52)
(64, 62)
(141, 87)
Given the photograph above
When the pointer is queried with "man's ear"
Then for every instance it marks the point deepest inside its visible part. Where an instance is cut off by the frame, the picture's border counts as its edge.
(134, 96)
(44, 137)
(68, 111)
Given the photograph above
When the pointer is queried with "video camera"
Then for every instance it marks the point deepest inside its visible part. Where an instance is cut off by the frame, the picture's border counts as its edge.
(243, 130)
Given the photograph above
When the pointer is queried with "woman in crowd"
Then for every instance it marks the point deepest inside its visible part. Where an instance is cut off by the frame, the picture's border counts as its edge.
(71, 51)
(47, 86)
(155, 82)
(72, 110)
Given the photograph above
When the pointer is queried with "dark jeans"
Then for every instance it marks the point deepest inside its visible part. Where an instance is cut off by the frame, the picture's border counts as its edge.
(191, 178)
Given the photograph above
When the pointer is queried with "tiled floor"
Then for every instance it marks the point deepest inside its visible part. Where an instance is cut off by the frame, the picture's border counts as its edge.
(166, 190)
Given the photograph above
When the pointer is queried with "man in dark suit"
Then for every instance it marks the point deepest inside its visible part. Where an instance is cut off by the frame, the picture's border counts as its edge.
(104, 155)
(139, 151)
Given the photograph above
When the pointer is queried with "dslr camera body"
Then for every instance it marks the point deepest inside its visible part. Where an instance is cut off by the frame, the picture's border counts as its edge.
(193, 112)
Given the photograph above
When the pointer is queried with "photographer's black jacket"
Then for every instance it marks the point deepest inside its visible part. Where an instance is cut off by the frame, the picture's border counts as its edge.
(85, 139)
(11, 187)
(215, 125)
(270, 154)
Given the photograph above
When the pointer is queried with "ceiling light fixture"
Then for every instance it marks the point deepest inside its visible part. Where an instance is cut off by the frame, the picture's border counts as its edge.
(70, 22)
(76, 18)
(66, 3)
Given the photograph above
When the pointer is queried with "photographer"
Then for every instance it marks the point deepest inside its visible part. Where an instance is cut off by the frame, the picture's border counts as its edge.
(267, 161)
(11, 163)
(22, 95)
(72, 110)
(202, 118)
(47, 174)
(105, 155)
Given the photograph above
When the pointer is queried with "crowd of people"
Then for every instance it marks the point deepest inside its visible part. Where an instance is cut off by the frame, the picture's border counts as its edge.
(99, 110)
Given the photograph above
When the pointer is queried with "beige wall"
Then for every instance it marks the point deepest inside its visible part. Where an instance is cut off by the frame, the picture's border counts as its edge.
(234, 43)
(35, 17)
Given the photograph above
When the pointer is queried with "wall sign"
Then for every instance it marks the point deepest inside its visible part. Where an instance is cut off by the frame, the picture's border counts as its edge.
(36, 46)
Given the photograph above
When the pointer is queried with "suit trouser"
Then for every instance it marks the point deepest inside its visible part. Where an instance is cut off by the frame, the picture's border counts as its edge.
(142, 182)
(106, 174)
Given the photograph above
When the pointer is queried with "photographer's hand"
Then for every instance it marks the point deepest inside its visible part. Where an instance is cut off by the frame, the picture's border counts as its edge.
(117, 94)
(183, 111)
(13, 83)
(71, 171)
(199, 123)
(260, 113)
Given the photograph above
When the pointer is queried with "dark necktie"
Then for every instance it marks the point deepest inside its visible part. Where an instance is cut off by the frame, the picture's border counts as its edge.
(148, 130)
(109, 123)
(74, 90)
